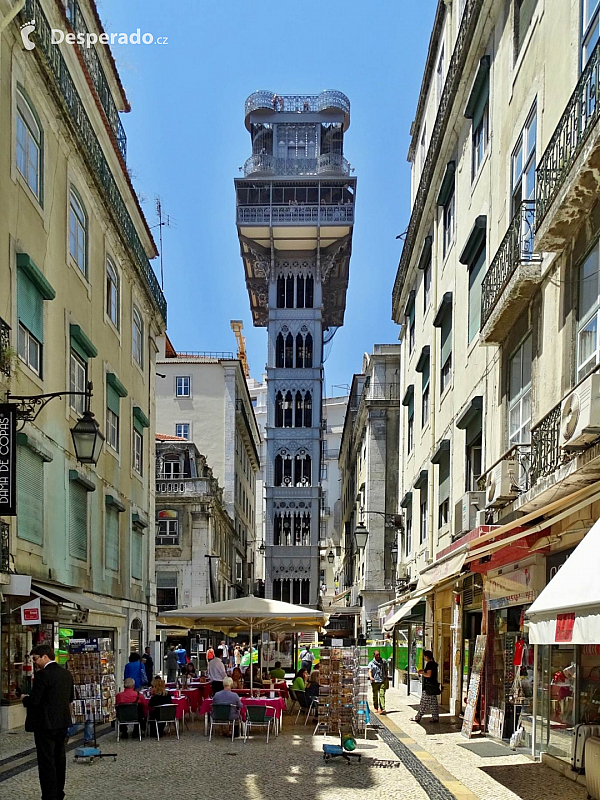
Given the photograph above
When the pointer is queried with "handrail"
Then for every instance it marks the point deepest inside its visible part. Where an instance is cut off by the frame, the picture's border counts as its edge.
(273, 165)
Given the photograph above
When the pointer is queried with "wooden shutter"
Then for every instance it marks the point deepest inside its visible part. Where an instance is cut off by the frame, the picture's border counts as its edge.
(476, 273)
(112, 399)
(446, 338)
(30, 305)
(30, 496)
(111, 541)
(444, 477)
(136, 553)
(78, 544)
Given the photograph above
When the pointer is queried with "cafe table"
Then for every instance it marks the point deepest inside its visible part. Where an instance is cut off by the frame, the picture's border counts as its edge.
(275, 706)
(182, 703)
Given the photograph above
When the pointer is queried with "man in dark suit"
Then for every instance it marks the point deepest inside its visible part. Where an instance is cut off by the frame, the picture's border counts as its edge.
(48, 717)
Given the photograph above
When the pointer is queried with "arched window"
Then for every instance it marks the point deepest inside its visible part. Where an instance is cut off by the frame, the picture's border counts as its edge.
(283, 470)
(287, 411)
(299, 351)
(277, 589)
(279, 410)
(113, 294)
(289, 291)
(302, 470)
(308, 351)
(135, 636)
(289, 351)
(309, 291)
(78, 227)
(279, 351)
(300, 291)
(307, 410)
(29, 147)
(298, 410)
(281, 292)
(137, 336)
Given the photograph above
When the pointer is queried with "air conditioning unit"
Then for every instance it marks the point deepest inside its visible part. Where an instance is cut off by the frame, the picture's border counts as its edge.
(580, 414)
(501, 483)
(402, 573)
(465, 512)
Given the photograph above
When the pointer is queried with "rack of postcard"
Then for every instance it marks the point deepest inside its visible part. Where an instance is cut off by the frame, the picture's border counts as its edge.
(343, 690)
(92, 665)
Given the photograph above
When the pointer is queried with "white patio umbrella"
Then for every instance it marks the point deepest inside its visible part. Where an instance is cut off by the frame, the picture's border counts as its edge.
(247, 613)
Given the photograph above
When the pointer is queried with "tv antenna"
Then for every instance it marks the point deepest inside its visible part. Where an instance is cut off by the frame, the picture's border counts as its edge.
(167, 221)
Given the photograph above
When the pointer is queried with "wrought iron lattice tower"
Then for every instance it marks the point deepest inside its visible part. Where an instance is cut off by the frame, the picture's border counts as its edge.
(295, 216)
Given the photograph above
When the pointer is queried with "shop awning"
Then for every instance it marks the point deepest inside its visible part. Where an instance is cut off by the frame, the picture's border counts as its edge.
(442, 570)
(54, 593)
(404, 610)
(341, 595)
(567, 611)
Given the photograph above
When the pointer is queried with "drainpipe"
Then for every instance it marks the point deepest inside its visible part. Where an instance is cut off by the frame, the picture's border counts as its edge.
(432, 401)
(535, 701)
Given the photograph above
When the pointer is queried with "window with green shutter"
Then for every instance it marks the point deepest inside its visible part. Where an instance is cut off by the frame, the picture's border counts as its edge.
(444, 490)
(78, 539)
(136, 553)
(30, 496)
(111, 538)
(476, 274)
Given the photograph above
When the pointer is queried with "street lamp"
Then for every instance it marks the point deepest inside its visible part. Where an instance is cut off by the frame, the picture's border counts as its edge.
(262, 548)
(330, 557)
(361, 534)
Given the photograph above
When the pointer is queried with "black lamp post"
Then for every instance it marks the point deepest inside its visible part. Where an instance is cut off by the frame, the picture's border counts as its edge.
(330, 557)
(361, 534)
(262, 548)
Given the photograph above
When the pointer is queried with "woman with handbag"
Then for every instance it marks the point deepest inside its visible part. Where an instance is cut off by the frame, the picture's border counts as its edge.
(431, 689)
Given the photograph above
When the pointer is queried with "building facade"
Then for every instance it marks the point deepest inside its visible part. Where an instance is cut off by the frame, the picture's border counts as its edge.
(368, 461)
(258, 394)
(204, 398)
(295, 214)
(497, 295)
(79, 303)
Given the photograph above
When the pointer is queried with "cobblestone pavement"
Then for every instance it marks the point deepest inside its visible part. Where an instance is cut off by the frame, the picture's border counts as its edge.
(427, 764)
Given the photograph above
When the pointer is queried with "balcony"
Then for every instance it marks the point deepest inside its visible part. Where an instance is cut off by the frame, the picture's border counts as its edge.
(295, 215)
(329, 100)
(5, 353)
(184, 487)
(4, 547)
(60, 82)
(332, 164)
(567, 177)
(511, 279)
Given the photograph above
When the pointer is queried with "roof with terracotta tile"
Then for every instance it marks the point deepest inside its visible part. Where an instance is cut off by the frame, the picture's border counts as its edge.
(164, 437)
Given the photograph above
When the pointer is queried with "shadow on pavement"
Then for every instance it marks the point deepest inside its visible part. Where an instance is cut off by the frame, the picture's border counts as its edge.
(532, 781)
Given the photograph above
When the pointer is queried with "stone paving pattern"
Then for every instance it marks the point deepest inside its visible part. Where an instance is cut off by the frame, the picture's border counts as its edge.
(291, 767)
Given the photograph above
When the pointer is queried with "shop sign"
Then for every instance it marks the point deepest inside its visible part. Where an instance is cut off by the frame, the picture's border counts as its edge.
(564, 627)
(8, 460)
(31, 613)
(517, 588)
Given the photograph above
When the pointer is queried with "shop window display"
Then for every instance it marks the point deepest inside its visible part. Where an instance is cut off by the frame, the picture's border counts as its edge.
(17, 666)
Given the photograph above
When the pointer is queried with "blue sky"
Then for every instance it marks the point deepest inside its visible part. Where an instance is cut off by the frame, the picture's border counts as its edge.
(186, 140)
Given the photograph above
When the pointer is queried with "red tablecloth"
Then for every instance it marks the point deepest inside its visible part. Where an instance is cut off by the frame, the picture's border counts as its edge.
(276, 703)
(193, 696)
(206, 707)
(181, 703)
(263, 692)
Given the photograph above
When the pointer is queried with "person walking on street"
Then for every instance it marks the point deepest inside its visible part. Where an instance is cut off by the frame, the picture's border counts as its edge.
(172, 664)
(210, 654)
(48, 718)
(135, 669)
(216, 674)
(181, 654)
(148, 663)
(223, 651)
(431, 689)
(306, 659)
(378, 675)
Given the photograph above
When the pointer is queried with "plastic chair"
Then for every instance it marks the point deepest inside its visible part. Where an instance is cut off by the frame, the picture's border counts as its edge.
(292, 693)
(257, 715)
(166, 714)
(305, 704)
(314, 706)
(128, 715)
(220, 714)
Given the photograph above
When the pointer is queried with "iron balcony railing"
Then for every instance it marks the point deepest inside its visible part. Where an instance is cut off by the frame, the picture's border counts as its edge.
(224, 354)
(186, 486)
(5, 348)
(272, 165)
(546, 452)
(4, 547)
(515, 249)
(572, 131)
(62, 84)
(92, 62)
(297, 103)
(292, 215)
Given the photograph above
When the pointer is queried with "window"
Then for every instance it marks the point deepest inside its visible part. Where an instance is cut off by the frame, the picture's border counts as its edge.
(523, 15)
(443, 321)
(423, 148)
(137, 337)
(587, 314)
(171, 468)
(590, 28)
(32, 290)
(78, 515)
(78, 382)
(439, 77)
(138, 452)
(427, 286)
(166, 590)
(29, 350)
(448, 221)
(474, 462)
(182, 429)
(519, 395)
(136, 553)
(182, 386)
(476, 274)
(29, 145)
(479, 140)
(523, 163)
(113, 294)
(111, 538)
(423, 368)
(408, 531)
(112, 418)
(30, 496)
(423, 515)
(410, 321)
(167, 527)
(444, 489)
(410, 425)
(78, 232)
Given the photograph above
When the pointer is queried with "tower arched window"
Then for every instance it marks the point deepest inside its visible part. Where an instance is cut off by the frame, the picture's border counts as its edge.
(279, 410)
(309, 291)
(283, 470)
(307, 410)
(289, 291)
(300, 291)
(302, 470)
(279, 347)
(287, 410)
(298, 410)
(300, 350)
(289, 351)
(308, 350)
(281, 292)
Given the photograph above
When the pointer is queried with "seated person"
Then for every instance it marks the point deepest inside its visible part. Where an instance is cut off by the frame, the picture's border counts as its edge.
(277, 673)
(130, 695)
(312, 690)
(190, 670)
(227, 697)
(159, 697)
(299, 684)
(237, 678)
(256, 679)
